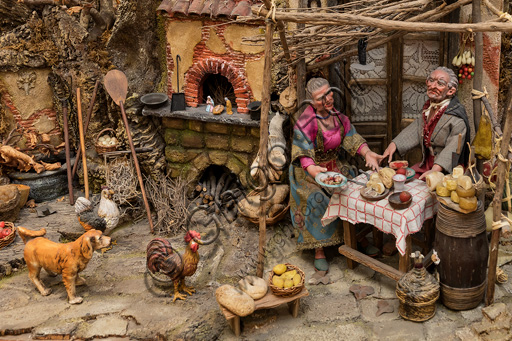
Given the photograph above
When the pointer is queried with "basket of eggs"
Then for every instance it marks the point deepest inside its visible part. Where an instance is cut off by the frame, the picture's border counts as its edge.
(286, 280)
(106, 141)
(7, 233)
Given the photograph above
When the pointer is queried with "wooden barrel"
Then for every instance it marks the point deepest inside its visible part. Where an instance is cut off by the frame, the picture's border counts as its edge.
(462, 246)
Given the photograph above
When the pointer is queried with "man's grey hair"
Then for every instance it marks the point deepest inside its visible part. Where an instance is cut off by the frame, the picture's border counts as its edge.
(313, 85)
(454, 81)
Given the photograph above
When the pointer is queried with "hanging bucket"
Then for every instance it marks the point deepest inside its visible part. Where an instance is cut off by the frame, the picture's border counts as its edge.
(462, 246)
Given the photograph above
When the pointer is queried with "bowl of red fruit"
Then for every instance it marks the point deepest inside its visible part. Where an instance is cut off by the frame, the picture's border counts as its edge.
(331, 179)
(401, 200)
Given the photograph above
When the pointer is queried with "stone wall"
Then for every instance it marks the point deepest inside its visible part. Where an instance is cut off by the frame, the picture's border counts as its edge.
(193, 145)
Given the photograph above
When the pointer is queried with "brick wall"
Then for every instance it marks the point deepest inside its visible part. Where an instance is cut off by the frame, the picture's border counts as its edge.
(230, 65)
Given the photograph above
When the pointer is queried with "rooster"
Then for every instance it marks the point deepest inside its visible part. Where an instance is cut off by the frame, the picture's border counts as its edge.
(105, 216)
(161, 257)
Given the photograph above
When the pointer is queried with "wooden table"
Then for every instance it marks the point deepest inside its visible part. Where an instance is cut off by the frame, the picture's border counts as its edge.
(351, 208)
(268, 301)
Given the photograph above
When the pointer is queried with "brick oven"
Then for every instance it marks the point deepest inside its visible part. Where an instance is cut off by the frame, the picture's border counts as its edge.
(214, 62)
(202, 33)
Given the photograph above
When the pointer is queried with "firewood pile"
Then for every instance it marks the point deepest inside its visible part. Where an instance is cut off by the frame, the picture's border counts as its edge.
(220, 192)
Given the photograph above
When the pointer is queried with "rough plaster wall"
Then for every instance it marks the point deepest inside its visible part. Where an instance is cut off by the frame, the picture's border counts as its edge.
(491, 63)
(183, 37)
(254, 70)
(39, 96)
(234, 34)
(215, 44)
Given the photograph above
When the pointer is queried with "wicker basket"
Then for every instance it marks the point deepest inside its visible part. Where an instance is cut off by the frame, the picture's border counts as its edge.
(10, 238)
(417, 292)
(104, 149)
(269, 220)
(287, 292)
(10, 209)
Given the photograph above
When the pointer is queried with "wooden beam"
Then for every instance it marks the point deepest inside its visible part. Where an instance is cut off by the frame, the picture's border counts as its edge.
(263, 147)
(496, 203)
(339, 19)
(373, 264)
(478, 77)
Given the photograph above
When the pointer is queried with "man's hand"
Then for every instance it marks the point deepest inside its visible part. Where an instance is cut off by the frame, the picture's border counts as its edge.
(388, 153)
(313, 170)
(435, 168)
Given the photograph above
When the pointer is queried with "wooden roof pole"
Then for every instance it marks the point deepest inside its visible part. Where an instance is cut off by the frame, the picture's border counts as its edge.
(282, 34)
(496, 202)
(265, 108)
(340, 19)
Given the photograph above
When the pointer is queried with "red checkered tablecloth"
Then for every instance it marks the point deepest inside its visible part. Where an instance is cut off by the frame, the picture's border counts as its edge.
(350, 206)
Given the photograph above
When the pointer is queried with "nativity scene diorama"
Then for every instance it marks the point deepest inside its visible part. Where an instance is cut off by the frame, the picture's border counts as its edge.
(212, 162)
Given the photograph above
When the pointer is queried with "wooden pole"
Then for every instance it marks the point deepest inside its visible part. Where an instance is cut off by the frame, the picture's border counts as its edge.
(265, 108)
(82, 142)
(478, 77)
(86, 126)
(137, 167)
(65, 125)
(496, 203)
(300, 71)
(282, 34)
(340, 19)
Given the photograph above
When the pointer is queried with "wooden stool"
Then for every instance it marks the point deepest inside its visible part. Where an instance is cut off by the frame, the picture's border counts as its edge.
(268, 301)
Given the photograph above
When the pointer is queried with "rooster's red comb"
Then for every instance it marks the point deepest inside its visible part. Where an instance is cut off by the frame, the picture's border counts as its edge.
(192, 234)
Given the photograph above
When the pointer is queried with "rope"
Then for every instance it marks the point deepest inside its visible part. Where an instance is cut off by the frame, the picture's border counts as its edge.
(505, 16)
(505, 221)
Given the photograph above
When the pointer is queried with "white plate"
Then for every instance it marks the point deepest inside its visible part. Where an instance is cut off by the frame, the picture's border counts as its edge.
(320, 176)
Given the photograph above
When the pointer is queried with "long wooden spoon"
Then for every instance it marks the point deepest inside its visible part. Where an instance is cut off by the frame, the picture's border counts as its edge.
(116, 85)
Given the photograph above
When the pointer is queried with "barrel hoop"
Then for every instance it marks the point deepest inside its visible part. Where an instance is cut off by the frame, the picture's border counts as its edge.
(459, 225)
(462, 298)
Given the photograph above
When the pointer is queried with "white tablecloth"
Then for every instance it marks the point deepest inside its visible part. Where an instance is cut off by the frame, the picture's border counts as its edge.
(350, 206)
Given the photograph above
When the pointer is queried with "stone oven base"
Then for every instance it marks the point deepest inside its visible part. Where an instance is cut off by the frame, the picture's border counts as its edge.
(196, 139)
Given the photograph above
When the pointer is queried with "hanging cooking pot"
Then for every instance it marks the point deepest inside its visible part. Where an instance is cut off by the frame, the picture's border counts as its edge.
(178, 99)
(255, 110)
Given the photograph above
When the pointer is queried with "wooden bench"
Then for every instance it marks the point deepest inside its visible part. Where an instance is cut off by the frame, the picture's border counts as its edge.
(268, 301)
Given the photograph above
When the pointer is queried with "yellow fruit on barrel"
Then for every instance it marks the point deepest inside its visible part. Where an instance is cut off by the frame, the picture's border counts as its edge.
(288, 283)
(296, 279)
(278, 281)
(289, 274)
(279, 269)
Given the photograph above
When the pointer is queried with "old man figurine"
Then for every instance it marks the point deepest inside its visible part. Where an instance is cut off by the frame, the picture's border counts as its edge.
(436, 131)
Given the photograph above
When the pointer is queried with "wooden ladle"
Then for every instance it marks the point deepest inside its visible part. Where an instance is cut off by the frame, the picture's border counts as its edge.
(116, 85)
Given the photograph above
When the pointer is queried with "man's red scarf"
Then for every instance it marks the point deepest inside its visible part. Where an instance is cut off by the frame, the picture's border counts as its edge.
(428, 127)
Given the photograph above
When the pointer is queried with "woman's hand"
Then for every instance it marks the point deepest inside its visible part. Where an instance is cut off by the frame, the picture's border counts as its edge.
(372, 160)
(313, 170)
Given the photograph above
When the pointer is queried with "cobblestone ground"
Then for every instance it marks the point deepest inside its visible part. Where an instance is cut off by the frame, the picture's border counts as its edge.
(121, 302)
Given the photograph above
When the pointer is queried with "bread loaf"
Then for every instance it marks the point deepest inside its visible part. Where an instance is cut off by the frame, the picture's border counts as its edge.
(457, 172)
(376, 186)
(433, 179)
(386, 175)
(465, 193)
(442, 191)
(468, 204)
(465, 182)
(455, 197)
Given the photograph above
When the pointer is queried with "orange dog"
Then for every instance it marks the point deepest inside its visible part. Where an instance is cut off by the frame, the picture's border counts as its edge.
(57, 258)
